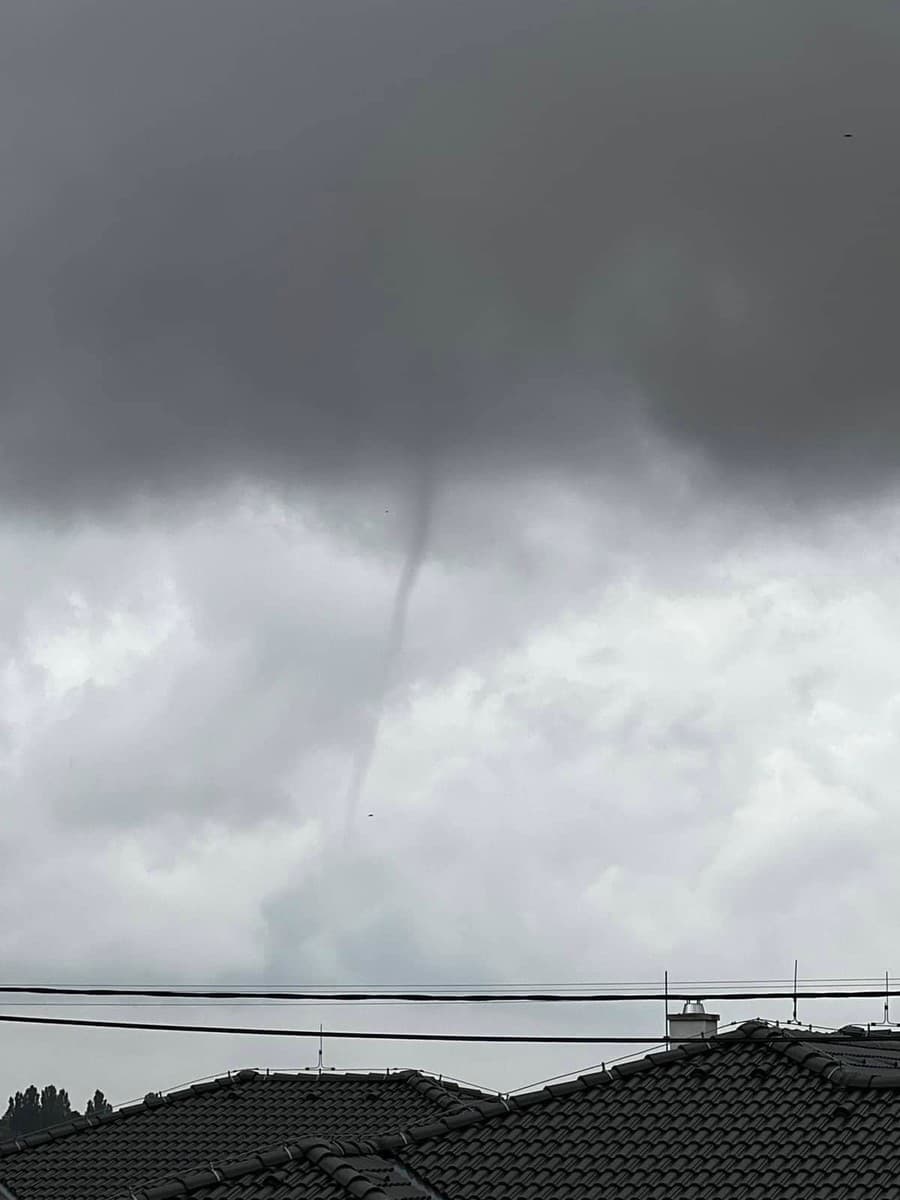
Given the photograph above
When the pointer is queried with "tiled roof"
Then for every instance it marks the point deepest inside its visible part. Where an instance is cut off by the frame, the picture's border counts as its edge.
(730, 1118)
(807, 1117)
(225, 1120)
(749, 1115)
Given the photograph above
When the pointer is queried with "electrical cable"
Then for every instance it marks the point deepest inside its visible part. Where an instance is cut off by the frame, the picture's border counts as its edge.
(212, 1004)
(446, 998)
(280, 988)
(330, 1035)
(356, 1035)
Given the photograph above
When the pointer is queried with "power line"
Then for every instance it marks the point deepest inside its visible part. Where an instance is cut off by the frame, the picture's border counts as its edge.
(496, 985)
(211, 1004)
(356, 1035)
(448, 998)
(314, 1033)
(317, 991)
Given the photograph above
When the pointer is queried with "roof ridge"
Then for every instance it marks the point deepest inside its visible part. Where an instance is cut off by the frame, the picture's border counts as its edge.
(445, 1093)
(152, 1100)
(312, 1073)
(487, 1109)
(327, 1155)
(332, 1160)
(809, 1050)
(212, 1173)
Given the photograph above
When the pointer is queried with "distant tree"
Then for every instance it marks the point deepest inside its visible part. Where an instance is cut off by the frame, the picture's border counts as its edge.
(31, 1110)
(55, 1106)
(99, 1106)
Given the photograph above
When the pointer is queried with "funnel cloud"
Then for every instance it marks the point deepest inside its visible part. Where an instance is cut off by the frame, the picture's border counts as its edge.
(422, 509)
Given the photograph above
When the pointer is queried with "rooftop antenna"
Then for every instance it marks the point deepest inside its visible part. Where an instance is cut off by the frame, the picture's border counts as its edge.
(885, 1021)
(794, 1019)
(887, 999)
(666, 991)
(321, 1049)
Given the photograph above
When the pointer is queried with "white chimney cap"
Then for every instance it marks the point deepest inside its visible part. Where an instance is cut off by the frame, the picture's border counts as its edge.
(693, 1022)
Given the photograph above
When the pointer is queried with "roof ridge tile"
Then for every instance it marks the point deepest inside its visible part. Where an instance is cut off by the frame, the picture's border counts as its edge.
(335, 1166)
(446, 1095)
(568, 1087)
(211, 1173)
(326, 1155)
(809, 1049)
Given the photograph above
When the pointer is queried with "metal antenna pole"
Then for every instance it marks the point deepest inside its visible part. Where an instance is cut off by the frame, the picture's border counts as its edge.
(794, 1020)
(321, 1048)
(666, 995)
(887, 992)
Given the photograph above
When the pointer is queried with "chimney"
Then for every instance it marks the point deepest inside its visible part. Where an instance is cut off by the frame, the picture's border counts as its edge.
(693, 1022)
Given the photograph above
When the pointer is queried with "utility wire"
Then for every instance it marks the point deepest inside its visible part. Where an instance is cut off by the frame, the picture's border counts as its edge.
(280, 988)
(447, 998)
(356, 1035)
(211, 1004)
(315, 1033)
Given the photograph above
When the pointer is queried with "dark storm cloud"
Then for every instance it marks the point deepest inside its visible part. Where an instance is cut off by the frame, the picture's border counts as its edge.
(310, 240)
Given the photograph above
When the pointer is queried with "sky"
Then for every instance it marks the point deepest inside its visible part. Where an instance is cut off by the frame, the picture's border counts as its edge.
(449, 483)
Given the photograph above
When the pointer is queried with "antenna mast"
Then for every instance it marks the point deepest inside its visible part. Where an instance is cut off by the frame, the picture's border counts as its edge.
(794, 1019)
(666, 987)
(887, 1001)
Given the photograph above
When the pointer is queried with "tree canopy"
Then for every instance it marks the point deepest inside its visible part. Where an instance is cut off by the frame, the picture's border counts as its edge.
(32, 1110)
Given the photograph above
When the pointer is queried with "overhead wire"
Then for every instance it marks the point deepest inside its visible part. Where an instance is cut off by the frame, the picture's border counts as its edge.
(543, 997)
(177, 997)
(213, 1004)
(379, 1035)
(549, 985)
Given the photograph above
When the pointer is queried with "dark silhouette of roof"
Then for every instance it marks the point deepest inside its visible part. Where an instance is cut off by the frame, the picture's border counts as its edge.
(748, 1115)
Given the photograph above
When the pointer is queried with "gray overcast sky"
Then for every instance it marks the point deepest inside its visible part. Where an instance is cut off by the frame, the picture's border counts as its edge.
(606, 289)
